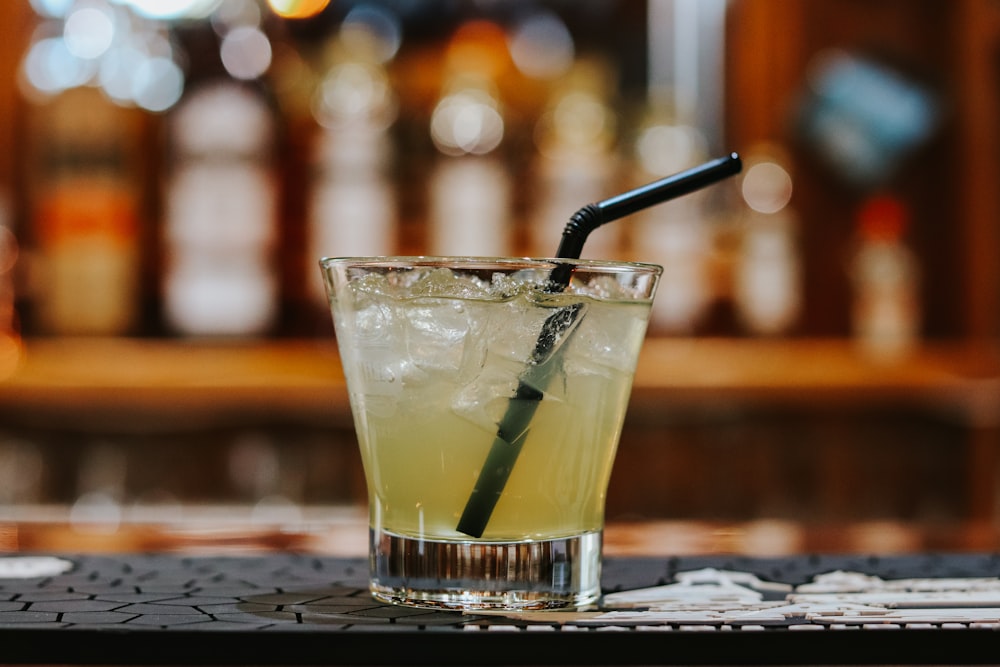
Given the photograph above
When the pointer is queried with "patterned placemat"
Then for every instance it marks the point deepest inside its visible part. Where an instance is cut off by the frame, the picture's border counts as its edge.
(299, 609)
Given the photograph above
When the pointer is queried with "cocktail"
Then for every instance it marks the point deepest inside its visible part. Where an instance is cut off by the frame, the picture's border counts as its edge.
(488, 410)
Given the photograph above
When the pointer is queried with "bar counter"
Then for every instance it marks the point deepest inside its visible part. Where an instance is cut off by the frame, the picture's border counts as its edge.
(220, 588)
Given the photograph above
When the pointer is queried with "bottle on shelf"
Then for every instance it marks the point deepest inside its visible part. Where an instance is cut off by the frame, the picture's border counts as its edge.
(677, 234)
(767, 289)
(85, 216)
(576, 161)
(220, 274)
(885, 312)
(469, 188)
(352, 203)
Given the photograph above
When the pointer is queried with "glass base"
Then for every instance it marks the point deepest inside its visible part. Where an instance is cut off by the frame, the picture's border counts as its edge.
(549, 574)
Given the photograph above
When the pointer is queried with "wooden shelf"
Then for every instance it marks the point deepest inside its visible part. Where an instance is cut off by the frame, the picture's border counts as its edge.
(140, 383)
(820, 373)
(189, 383)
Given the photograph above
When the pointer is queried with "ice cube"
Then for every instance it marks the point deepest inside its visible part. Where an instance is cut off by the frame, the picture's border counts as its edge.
(610, 288)
(369, 341)
(606, 340)
(484, 400)
(442, 282)
(514, 330)
(440, 334)
(372, 324)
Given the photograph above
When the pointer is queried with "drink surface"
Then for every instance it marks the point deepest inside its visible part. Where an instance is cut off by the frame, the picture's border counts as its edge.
(432, 360)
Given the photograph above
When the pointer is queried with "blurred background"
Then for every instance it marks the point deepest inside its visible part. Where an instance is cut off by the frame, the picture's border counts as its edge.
(823, 345)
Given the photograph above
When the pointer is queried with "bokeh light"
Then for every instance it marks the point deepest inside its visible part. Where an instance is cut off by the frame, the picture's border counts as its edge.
(118, 71)
(55, 9)
(541, 46)
(232, 14)
(667, 149)
(373, 28)
(467, 122)
(297, 9)
(50, 67)
(583, 118)
(128, 55)
(246, 52)
(353, 93)
(767, 187)
(173, 9)
(158, 84)
(89, 31)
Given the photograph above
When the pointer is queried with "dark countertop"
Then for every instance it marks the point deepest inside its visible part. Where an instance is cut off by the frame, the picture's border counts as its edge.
(305, 609)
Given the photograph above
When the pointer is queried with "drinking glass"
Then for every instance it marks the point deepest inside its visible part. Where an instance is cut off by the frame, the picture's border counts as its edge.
(488, 400)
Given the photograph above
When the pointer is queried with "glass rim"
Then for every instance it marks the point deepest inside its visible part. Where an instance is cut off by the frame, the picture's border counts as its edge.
(472, 261)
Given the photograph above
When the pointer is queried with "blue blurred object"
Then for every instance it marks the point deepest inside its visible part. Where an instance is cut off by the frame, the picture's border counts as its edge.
(864, 118)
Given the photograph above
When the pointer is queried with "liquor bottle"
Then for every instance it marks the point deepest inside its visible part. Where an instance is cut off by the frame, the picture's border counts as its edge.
(767, 291)
(352, 203)
(85, 217)
(676, 234)
(470, 190)
(885, 313)
(220, 228)
(576, 162)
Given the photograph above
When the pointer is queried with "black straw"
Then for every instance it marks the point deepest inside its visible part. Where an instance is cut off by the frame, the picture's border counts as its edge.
(592, 216)
(513, 428)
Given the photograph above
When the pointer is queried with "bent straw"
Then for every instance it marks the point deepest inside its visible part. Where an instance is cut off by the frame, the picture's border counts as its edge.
(513, 428)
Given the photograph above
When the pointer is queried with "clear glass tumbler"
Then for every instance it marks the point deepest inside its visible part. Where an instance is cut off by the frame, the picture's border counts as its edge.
(488, 398)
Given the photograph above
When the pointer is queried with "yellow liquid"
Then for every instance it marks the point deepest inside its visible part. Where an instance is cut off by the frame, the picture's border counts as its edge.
(422, 459)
